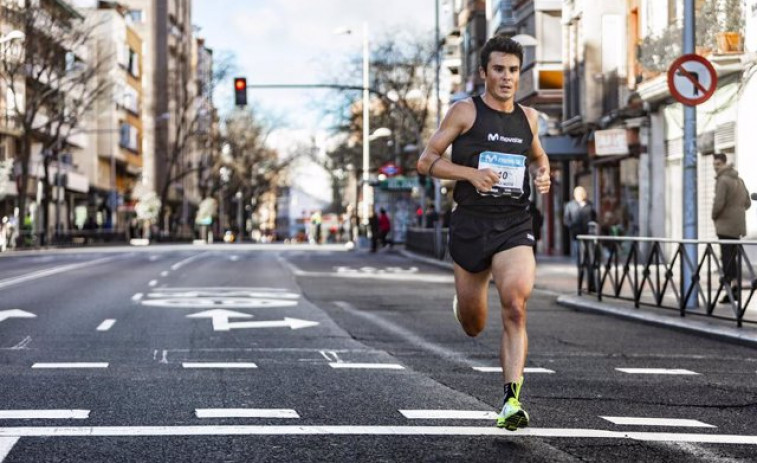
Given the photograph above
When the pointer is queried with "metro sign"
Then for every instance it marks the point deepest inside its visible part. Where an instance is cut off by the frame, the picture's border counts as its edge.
(390, 169)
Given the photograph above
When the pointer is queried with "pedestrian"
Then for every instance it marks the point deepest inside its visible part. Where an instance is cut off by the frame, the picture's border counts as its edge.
(373, 223)
(729, 214)
(495, 152)
(385, 227)
(577, 215)
(3, 234)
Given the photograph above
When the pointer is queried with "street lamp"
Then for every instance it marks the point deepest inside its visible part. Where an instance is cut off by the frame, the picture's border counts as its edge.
(366, 127)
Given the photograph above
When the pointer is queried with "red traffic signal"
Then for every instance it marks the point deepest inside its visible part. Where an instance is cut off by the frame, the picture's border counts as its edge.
(240, 91)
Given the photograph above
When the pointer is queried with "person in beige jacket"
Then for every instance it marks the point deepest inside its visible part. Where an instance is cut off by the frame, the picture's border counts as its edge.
(729, 214)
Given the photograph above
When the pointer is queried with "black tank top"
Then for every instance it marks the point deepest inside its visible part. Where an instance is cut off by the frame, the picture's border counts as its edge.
(496, 131)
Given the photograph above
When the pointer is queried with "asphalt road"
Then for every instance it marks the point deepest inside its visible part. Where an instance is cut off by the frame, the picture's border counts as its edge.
(235, 353)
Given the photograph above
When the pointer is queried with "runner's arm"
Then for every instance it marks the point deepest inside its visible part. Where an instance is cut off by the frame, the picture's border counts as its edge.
(458, 119)
(539, 163)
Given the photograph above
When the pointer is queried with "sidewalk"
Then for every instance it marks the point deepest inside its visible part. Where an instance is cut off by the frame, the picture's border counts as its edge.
(558, 276)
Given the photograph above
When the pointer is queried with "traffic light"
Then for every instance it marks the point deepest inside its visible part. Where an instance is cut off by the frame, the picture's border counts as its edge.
(240, 91)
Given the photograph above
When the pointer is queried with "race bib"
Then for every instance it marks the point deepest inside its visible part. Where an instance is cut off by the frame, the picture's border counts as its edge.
(511, 169)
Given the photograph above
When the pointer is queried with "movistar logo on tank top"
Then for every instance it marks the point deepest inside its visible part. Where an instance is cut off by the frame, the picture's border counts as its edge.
(503, 139)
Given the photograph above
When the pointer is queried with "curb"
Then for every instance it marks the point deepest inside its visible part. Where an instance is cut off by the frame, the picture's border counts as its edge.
(738, 335)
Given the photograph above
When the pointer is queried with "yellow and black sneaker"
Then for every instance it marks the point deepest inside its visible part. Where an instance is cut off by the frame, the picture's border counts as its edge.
(513, 416)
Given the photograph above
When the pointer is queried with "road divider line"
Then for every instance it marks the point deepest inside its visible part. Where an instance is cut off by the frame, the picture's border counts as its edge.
(292, 430)
(525, 370)
(164, 273)
(448, 415)
(218, 365)
(136, 297)
(657, 371)
(152, 283)
(638, 421)
(184, 262)
(50, 271)
(367, 366)
(6, 445)
(44, 414)
(107, 324)
(71, 365)
(245, 413)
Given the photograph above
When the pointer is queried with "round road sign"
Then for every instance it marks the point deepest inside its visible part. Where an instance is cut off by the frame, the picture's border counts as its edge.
(692, 79)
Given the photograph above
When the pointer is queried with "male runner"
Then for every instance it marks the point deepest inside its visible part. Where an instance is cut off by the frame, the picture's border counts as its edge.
(495, 151)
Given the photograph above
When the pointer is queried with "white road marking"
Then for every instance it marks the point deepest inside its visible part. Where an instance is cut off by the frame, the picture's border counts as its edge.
(287, 322)
(367, 366)
(153, 258)
(50, 271)
(638, 421)
(44, 414)
(24, 344)
(72, 365)
(217, 302)
(291, 430)
(164, 273)
(136, 297)
(448, 414)
(234, 258)
(218, 365)
(525, 370)
(153, 282)
(245, 413)
(184, 262)
(657, 371)
(6, 445)
(107, 324)
(15, 313)
(256, 293)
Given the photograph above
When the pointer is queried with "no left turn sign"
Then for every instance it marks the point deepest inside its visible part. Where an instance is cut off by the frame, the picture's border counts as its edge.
(692, 79)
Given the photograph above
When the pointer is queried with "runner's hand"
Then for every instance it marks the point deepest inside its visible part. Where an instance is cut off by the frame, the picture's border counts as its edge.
(484, 179)
(542, 181)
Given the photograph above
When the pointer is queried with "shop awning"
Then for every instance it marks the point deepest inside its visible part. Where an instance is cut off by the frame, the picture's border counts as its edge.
(564, 147)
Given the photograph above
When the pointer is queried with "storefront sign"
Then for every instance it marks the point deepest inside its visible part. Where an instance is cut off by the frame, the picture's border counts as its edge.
(399, 183)
(610, 142)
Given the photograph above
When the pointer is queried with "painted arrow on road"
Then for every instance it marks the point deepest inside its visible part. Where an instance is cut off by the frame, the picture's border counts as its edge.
(221, 321)
(15, 313)
(220, 317)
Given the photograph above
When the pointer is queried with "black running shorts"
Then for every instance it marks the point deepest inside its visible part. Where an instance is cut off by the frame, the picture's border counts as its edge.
(475, 238)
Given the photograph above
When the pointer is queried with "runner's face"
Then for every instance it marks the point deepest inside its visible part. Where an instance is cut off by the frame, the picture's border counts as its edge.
(502, 75)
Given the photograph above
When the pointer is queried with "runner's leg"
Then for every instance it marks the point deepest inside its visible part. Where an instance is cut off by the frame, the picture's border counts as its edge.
(472, 290)
(513, 272)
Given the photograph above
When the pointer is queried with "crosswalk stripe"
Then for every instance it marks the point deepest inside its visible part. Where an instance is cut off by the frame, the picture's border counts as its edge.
(657, 371)
(72, 365)
(525, 370)
(448, 414)
(291, 430)
(44, 414)
(245, 413)
(106, 324)
(367, 366)
(218, 365)
(639, 421)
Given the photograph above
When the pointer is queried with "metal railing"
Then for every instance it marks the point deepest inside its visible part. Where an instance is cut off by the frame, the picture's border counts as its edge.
(662, 273)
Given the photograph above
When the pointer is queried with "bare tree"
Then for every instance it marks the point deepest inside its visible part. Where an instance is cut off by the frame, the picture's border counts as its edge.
(50, 85)
(190, 115)
(252, 169)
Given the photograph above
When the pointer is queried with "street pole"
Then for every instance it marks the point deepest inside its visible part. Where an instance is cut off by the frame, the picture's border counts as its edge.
(366, 141)
(113, 189)
(689, 167)
(438, 245)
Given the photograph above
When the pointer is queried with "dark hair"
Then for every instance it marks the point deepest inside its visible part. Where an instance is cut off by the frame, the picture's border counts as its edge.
(720, 157)
(501, 43)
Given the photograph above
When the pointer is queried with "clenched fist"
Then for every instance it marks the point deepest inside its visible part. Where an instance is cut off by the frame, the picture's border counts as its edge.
(542, 180)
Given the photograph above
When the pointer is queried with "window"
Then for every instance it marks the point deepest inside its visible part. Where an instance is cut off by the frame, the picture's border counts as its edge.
(128, 137)
(135, 16)
(133, 65)
(131, 99)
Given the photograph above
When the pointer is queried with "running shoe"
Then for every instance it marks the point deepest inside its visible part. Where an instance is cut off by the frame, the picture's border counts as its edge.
(455, 309)
(513, 416)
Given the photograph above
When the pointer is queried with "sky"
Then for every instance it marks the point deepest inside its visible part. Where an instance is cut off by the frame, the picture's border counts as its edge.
(294, 42)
